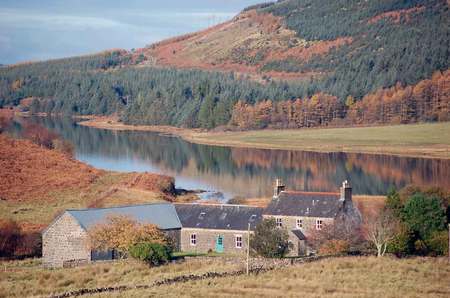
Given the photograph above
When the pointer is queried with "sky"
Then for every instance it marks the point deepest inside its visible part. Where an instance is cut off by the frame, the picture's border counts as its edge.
(32, 30)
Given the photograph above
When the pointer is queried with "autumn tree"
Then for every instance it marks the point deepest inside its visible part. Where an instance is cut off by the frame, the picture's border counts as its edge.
(120, 232)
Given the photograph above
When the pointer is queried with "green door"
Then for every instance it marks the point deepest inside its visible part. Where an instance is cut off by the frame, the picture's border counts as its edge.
(219, 244)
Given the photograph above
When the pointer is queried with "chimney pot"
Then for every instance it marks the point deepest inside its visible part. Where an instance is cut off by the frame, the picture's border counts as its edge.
(279, 187)
(346, 191)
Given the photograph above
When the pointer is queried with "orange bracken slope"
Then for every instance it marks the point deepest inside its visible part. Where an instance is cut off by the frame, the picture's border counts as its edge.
(28, 171)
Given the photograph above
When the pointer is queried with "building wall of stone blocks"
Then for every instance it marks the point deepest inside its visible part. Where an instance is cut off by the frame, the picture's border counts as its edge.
(308, 224)
(206, 240)
(175, 236)
(65, 241)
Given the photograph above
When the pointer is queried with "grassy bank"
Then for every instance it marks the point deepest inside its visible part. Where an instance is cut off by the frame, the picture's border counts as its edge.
(431, 140)
(336, 277)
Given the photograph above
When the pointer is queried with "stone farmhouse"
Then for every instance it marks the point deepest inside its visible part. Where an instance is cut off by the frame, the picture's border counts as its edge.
(219, 228)
(202, 228)
(303, 212)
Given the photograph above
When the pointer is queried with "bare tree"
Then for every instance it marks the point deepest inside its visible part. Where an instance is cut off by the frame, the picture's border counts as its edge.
(380, 229)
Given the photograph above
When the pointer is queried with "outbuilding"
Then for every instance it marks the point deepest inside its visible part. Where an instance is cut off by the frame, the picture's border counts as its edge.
(65, 240)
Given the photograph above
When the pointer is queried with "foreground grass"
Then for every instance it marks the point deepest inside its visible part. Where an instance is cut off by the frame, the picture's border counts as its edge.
(336, 277)
(340, 277)
(28, 278)
(420, 140)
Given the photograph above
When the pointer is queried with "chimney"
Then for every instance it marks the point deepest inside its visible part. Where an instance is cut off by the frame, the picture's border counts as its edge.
(279, 187)
(346, 191)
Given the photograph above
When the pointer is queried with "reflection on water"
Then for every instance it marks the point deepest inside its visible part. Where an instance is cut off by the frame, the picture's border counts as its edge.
(242, 171)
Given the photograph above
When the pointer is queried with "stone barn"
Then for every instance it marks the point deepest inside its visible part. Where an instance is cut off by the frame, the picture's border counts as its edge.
(65, 240)
(216, 228)
(303, 212)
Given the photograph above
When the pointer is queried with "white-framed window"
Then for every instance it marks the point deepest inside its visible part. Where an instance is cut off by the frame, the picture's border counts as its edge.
(238, 241)
(279, 221)
(299, 223)
(193, 239)
(319, 224)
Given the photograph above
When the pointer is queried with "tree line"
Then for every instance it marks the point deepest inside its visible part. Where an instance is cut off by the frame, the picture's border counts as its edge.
(426, 101)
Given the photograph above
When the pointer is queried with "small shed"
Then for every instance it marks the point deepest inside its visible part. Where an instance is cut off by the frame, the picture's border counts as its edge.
(65, 240)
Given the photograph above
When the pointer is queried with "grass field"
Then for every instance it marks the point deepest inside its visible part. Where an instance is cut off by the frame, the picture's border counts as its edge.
(28, 278)
(336, 277)
(420, 140)
(340, 277)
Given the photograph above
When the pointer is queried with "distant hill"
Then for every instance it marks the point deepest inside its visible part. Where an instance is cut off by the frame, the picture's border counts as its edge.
(284, 51)
(350, 47)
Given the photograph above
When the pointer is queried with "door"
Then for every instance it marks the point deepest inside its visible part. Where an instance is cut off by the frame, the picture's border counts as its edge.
(219, 243)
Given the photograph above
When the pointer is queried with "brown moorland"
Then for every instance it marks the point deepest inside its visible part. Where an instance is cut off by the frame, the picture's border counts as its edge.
(261, 38)
(29, 171)
(38, 183)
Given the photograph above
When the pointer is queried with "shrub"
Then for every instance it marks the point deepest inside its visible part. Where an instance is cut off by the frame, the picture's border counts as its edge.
(334, 247)
(151, 253)
(438, 243)
(270, 241)
(10, 236)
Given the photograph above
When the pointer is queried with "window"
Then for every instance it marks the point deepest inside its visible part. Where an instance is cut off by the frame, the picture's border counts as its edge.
(279, 222)
(299, 223)
(318, 224)
(193, 239)
(238, 241)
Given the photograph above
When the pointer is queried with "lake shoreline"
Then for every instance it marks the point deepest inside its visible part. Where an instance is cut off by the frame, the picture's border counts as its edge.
(267, 139)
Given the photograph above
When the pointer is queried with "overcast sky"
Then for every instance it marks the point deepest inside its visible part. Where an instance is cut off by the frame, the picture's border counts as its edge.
(45, 29)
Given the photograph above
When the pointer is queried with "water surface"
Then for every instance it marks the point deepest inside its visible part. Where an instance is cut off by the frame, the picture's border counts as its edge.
(242, 171)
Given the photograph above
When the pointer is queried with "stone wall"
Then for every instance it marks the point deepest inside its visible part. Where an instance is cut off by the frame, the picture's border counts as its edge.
(65, 242)
(206, 240)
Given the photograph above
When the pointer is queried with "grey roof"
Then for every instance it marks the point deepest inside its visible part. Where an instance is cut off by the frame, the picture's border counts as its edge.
(299, 234)
(308, 204)
(219, 217)
(163, 215)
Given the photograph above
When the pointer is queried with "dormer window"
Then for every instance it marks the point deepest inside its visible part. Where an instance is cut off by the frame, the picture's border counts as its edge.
(299, 223)
(252, 218)
(202, 215)
(279, 222)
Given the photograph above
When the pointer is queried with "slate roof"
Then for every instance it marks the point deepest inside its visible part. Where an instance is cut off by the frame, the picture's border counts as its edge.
(219, 217)
(299, 234)
(308, 204)
(163, 215)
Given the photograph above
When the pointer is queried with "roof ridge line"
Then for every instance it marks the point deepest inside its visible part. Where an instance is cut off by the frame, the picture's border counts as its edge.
(118, 207)
(217, 204)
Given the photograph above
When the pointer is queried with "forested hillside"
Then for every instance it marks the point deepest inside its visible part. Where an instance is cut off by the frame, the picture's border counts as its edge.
(326, 56)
